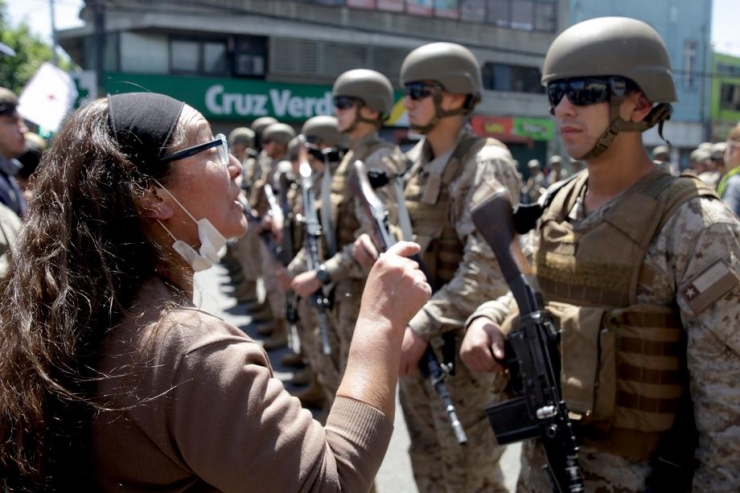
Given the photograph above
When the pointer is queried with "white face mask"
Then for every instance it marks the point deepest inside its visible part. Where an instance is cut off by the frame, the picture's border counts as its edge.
(211, 241)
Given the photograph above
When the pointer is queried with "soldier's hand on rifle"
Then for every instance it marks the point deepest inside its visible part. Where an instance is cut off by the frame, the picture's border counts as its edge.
(483, 346)
(305, 284)
(364, 251)
(412, 349)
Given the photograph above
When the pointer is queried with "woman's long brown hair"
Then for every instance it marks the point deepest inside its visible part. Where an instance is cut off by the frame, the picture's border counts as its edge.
(83, 254)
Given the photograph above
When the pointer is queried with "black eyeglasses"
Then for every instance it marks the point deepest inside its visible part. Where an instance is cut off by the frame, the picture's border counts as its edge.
(587, 90)
(345, 102)
(421, 90)
(219, 142)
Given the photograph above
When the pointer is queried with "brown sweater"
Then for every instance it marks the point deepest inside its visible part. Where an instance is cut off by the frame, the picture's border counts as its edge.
(197, 409)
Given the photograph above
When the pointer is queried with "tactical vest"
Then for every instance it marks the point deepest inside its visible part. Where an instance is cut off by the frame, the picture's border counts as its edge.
(429, 207)
(638, 351)
(342, 198)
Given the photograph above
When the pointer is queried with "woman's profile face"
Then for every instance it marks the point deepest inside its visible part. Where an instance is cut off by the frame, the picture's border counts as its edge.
(204, 185)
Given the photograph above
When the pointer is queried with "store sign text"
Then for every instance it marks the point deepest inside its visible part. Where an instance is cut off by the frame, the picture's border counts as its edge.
(282, 102)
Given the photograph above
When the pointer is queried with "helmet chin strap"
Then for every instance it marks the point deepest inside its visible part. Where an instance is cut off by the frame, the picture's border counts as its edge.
(658, 115)
(439, 113)
(378, 122)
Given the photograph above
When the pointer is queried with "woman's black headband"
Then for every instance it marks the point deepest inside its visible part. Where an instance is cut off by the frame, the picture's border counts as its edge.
(142, 123)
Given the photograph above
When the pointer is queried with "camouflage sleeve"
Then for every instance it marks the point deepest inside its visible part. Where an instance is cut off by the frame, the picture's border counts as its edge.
(478, 278)
(702, 250)
(495, 310)
(343, 265)
(299, 264)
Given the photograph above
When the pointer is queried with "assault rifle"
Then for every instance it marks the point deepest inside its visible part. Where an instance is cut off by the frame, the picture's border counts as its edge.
(531, 356)
(429, 365)
(313, 234)
(255, 221)
(286, 247)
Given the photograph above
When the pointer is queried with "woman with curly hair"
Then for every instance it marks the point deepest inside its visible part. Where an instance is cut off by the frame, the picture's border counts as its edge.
(110, 379)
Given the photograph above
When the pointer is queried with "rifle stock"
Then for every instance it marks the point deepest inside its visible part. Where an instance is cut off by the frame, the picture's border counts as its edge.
(533, 359)
(429, 365)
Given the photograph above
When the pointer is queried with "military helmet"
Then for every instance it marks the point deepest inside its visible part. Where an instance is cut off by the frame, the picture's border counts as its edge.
(294, 147)
(260, 124)
(242, 135)
(613, 46)
(660, 150)
(450, 64)
(718, 151)
(556, 159)
(324, 129)
(373, 88)
(699, 155)
(533, 164)
(278, 132)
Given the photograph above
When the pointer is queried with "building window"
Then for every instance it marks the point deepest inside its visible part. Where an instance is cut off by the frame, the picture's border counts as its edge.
(188, 56)
(511, 78)
(250, 56)
(689, 65)
(729, 97)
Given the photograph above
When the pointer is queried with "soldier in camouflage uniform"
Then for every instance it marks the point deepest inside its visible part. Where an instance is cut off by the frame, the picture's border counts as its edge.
(442, 86)
(248, 246)
(241, 142)
(363, 100)
(640, 269)
(275, 139)
(321, 134)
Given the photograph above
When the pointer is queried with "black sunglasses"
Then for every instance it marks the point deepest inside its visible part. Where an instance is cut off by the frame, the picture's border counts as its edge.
(219, 142)
(584, 91)
(345, 102)
(421, 90)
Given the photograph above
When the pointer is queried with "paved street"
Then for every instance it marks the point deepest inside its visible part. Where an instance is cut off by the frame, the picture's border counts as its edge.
(395, 474)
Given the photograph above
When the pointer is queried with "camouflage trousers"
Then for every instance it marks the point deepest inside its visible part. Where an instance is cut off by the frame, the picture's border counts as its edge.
(439, 462)
(247, 252)
(274, 295)
(347, 298)
(326, 367)
(602, 472)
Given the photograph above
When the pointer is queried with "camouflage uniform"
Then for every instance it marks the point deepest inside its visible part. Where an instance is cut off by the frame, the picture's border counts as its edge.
(440, 464)
(326, 367)
(349, 221)
(691, 263)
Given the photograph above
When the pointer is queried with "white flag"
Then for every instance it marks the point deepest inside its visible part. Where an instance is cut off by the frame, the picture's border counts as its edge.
(48, 97)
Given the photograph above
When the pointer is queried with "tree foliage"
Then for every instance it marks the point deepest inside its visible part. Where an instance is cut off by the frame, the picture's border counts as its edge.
(30, 52)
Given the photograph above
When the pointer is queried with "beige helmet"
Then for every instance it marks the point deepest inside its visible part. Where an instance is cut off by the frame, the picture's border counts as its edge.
(453, 67)
(660, 151)
(533, 164)
(241, 135)
(294, 147)
(322, 130)
(371, 87)
(450, 64)
(718, 151)
(699, 155)
(613, 47)
(556, 160)
(260, 124)
(278, 132)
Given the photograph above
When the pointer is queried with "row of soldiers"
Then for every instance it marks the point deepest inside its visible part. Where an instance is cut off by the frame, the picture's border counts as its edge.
(638, 267)
(427, 194)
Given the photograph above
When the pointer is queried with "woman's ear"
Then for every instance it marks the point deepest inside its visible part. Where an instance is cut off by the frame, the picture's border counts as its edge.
(154, 204)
